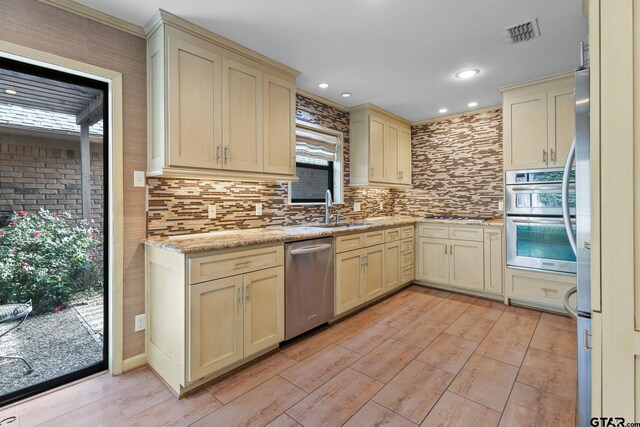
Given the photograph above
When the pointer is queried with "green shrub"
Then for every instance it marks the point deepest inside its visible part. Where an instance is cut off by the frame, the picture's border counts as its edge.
(48, 257)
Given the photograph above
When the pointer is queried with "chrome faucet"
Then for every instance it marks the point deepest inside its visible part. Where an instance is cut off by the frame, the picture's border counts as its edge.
(328, 204)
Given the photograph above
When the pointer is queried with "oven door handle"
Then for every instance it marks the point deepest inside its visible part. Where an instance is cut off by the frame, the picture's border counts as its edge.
(566, 214)
(539, 188)
(539, 221)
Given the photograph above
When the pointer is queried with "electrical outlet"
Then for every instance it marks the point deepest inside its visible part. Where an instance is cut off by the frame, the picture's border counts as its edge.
(356, 206)
(259, 209)
(500, 206)
(138, 179)
(381, 205)
(140, 322)
(212, 212)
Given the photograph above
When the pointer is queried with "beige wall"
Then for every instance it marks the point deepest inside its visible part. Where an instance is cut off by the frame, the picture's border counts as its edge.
(38, 26)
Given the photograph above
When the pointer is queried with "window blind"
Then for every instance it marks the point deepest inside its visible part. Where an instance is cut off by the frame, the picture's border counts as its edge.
(316, 145)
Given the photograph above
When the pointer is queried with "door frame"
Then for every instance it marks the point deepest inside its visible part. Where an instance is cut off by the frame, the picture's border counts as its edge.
(115, 194)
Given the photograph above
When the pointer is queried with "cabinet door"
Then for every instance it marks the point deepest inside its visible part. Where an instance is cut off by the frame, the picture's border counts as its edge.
(561, 125)
(242, 117)
(466, 264)
(433, 260)
(349, 273)
(391, 136)
(279, 139)
(525, 132)
(215, 326)
(376, 149)
(392, 265)
(493, 263)
(404, 157)
(193, 103)
(374, 279)
(263, 310)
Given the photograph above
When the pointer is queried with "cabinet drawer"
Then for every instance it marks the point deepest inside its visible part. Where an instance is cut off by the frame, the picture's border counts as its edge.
(227, 264)
(349, 242)
(466, 233)
(406, 245)
(374, 238)
(406, 274)
(392, 235)
(536, 289)
(406, 232)
(433, 231)
(406, 259)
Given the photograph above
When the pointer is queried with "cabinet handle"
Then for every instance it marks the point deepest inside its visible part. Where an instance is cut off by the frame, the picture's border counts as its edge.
(218, 149)
(293, 162)
(240, 295)
(451, 249)
(226, 154)
(549, 290)
(249, 292)
(371, 171)
(544, 155)
(445, 248)
(243, 264)
(553, 154)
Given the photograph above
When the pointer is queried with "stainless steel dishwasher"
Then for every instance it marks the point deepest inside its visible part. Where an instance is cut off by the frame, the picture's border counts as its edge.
(308, 285)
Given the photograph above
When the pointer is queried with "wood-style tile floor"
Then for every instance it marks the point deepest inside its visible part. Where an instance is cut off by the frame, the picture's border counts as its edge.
(420, 357)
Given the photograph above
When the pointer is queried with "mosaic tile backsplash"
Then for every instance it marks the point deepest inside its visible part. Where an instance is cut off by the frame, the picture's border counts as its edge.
(457, 170)
(456, 167)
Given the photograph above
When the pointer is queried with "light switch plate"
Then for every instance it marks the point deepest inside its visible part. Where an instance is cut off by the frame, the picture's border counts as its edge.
(500, 206)
(140, 322)
(259, 209)
(356, 206)
(138, 179)
(212, 212)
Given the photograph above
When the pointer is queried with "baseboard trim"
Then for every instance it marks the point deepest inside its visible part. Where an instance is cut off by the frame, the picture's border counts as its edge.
(134, 362)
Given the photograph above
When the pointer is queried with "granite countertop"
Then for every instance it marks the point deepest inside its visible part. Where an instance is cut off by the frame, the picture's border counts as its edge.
(217, 240)
(493, 222)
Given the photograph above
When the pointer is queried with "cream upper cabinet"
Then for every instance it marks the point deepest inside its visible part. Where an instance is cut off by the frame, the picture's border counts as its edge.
(404, 157)
(279, 136)
(538, 123)
(242, 116)
(216, 109)
(380, 148)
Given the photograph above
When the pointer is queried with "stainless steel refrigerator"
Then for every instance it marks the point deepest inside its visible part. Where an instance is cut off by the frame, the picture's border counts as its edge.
(581, 240)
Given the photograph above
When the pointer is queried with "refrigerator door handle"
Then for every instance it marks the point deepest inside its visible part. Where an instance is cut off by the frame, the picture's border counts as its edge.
(565, 301)
(566, 213)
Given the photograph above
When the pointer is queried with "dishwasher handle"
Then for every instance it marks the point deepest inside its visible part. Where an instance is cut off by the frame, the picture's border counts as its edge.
(311, 249)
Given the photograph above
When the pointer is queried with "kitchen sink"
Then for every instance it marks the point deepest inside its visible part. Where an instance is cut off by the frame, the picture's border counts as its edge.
(334, 225)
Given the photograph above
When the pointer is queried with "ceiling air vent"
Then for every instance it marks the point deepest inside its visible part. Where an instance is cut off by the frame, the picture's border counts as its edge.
(522, 32)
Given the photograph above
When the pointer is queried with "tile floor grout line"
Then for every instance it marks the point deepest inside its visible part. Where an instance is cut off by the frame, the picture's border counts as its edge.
(519, 368)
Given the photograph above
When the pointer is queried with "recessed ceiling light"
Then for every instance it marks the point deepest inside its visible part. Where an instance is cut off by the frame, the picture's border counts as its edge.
(323, 85)
(10, 92)
(467, 74)
(442, 110)
(345, 94)
(473, 104)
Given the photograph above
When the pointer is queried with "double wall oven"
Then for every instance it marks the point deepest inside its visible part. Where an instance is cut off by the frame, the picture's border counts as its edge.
(535, 230)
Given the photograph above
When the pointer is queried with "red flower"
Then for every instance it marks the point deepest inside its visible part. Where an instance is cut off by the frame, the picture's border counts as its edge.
(93, 235)
(25, 265)
(1, 233)
(57, 309)
(22, 213)
(13, 223)
(54, 213)
(91, 255)
(36, 233)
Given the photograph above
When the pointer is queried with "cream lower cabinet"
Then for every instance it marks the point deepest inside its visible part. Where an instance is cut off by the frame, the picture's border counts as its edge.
(369, 265)
(210, 313)
(461, 257)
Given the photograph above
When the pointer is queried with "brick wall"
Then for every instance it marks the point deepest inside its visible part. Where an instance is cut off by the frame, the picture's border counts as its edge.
(38, 172)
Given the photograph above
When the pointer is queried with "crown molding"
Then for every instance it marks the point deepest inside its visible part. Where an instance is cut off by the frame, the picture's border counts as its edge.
(322, 99)
(537, 81)
(456, 115)
(96, 15)
(382, 111)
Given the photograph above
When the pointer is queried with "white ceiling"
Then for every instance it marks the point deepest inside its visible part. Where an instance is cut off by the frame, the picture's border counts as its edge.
(398, 54)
